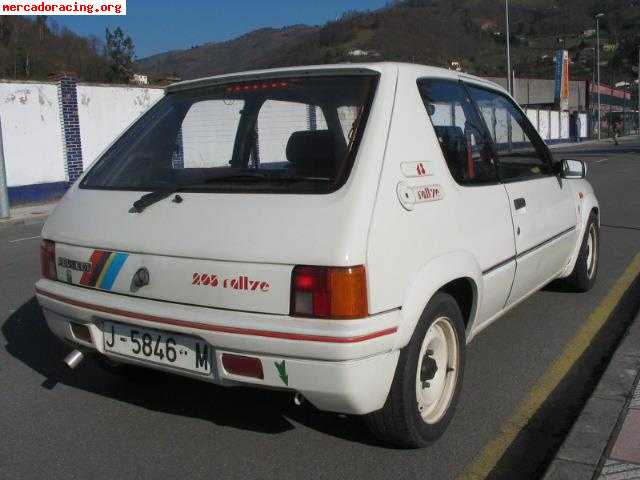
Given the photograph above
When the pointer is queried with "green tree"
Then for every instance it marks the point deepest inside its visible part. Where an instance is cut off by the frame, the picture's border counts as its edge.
(626, 56)
(120, 52)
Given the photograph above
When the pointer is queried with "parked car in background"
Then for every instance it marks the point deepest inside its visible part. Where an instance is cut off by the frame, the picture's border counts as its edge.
(341, 232)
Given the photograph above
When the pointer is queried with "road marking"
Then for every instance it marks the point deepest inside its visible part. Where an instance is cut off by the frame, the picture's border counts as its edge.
(486, 460)
(23, 239)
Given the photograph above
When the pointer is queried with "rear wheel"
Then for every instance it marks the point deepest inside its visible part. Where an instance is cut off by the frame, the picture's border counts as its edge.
(427, 381)
(584, 272)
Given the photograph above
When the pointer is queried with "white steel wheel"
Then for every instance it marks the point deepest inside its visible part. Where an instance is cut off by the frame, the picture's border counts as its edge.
(592, 251)
(585, 271)
(428, 379)
(436, 375)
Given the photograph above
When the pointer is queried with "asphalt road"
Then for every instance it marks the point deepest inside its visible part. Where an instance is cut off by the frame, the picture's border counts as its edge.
(56, 423)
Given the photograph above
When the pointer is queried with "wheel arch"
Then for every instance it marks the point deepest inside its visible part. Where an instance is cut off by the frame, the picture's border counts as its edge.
(456, 273)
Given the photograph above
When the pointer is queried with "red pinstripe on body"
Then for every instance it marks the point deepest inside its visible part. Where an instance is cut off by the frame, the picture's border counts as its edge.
(219, 328)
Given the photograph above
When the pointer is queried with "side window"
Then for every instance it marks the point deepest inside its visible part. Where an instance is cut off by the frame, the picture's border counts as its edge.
(521, 153)
(462, 135)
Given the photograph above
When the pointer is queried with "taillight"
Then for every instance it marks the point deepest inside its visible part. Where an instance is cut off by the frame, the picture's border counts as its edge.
(329, 292)
(48, 259)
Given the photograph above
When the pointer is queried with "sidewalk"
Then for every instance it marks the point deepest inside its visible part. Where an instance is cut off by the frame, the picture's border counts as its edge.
(28, 214)
(590, 141)
(604, 442)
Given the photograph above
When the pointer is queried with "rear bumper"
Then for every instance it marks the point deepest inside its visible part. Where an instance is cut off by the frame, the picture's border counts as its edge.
(342, 366)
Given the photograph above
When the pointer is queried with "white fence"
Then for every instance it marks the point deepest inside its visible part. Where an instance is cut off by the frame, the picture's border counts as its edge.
(553, 125)
(33, 131)
(105, 111)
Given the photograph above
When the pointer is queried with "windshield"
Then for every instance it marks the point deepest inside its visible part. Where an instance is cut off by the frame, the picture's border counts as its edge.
(284, 134)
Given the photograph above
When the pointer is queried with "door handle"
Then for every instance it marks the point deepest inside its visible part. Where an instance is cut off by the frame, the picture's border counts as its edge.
(519, 203)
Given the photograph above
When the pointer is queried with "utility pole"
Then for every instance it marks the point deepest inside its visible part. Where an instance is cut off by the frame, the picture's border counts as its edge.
(509, 79)
(4, 191)
(598, 17)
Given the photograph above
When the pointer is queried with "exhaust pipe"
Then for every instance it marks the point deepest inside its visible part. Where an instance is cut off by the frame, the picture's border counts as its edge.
(73, 359)
(298, 399)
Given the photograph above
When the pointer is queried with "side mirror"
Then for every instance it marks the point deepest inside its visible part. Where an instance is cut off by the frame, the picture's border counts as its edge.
(431, 109)
(573, 169)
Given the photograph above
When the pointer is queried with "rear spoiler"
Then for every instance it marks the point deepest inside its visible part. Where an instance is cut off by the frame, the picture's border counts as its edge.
(268, 74)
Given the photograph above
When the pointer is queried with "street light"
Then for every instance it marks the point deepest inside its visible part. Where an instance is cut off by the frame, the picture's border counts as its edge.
(598, 17)
(509, 81)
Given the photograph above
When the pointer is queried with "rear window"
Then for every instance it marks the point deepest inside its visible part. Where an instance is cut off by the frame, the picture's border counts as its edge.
(271, 135)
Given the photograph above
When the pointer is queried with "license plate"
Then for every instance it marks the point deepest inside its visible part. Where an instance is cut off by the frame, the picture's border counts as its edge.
(164, 348)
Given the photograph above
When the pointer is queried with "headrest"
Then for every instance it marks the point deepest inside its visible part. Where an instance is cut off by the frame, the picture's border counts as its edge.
(311, 149)
(449, 133)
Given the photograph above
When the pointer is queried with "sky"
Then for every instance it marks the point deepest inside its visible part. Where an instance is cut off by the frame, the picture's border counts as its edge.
(160, 25)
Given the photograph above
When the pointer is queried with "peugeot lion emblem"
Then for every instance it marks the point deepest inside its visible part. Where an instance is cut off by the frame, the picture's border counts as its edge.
(140, 279)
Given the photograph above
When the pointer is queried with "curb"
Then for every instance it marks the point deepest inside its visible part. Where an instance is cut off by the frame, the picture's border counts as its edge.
(580, 455)
(553, 146)
(31, 220)
(28, 215)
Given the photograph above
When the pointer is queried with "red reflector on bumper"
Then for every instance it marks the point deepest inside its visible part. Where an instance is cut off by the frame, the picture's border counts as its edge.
(243, 366)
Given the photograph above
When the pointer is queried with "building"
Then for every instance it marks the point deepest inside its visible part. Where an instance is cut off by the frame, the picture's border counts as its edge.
(140, 79)
(617, 103)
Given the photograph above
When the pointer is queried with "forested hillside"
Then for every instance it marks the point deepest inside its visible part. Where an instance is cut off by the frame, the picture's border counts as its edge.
(35, 49)
(435, 32)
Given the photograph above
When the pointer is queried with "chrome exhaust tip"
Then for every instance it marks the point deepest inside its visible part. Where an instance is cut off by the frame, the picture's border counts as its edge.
(73, 359)
(298, 399)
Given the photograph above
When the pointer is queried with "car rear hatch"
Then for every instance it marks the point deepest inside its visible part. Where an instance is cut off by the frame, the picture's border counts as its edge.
(232, 218)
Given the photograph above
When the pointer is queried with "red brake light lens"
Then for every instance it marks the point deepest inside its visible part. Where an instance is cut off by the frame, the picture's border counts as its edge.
(252, 87)
(329, 292)
(48, 260)
(242, 365)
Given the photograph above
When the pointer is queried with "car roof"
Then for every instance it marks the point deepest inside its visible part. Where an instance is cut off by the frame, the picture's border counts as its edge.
(419, 71)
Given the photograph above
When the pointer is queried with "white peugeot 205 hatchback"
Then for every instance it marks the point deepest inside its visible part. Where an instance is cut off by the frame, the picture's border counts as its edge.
(341, 232)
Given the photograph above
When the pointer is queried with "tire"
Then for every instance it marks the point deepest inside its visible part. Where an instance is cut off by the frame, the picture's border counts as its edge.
(401, 422)
(585, 271)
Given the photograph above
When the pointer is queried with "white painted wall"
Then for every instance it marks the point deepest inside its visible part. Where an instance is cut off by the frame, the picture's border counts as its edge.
(584, 124)
(209, 132)
(564, 124)
(32, 133)
(105, 111)
(554, 127)
(543, 124)
(33, 137)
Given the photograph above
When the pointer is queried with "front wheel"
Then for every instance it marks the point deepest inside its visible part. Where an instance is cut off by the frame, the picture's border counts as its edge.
(584, 273)
(428, 379)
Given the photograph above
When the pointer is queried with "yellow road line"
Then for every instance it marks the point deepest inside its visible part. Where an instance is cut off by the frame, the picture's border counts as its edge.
(493, 451)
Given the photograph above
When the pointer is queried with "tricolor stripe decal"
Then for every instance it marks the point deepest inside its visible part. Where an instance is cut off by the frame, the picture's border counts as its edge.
(105, 267)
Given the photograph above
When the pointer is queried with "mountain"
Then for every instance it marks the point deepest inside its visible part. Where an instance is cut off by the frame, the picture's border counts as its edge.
(242, 53)
(435, 32)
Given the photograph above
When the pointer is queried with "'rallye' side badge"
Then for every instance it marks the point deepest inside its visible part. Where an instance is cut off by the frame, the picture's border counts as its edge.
(409, 195)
